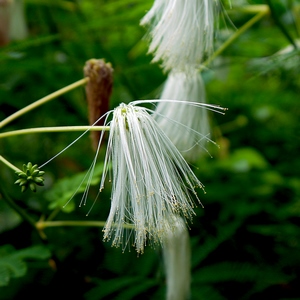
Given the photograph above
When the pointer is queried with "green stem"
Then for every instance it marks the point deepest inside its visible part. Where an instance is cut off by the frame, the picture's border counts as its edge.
(253, 9)
(53, 214)
(44, 224)
(280, 25)
(296, 14)
(8, 164)
(43, 101)
(263, 11)
(53, 129)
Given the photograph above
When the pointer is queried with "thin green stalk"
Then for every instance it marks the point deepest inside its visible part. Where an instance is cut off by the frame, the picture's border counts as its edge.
(53, 129)
(8, 164)
(296, 14)
(280, 25)
(253, 9)
(53, 214)
(43, 101)
(44, 224)
(264, 11)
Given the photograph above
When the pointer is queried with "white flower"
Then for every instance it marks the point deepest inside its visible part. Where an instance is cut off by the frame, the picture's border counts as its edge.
(150, 179)
(191, 128)
(181, 32)
(177, 260)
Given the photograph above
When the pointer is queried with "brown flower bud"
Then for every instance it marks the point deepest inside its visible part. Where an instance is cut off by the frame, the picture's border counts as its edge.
(98, 91)
(5, 16)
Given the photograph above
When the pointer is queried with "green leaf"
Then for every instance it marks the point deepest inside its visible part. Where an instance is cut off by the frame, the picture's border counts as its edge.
(13, 266)
(135, 290)
(279, 230)
(205, 292)
(4, 276)
(13, 263)
(35, 252)
(64, 189)
(244, 159)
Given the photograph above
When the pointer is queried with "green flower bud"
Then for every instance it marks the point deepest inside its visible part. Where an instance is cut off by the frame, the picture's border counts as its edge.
(30, 177)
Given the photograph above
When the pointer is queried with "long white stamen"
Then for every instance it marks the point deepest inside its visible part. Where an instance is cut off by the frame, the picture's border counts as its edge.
(150, 178)
(181, 32)
(44, 164)
(192, 125)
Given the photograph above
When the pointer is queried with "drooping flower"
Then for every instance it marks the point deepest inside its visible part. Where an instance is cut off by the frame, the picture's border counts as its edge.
(150, 178)
(191, 129)
(181, 32)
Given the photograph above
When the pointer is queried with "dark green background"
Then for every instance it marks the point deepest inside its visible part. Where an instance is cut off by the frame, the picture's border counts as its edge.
(245, 243)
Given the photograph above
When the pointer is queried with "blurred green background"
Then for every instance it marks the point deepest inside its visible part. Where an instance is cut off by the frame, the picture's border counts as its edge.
(245, 243)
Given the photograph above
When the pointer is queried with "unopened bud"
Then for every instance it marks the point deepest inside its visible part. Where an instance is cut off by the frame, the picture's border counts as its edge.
(98, 91)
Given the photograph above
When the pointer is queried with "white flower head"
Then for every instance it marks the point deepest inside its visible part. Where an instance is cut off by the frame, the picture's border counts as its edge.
(181, 32)
(150, 179)
(191, 128)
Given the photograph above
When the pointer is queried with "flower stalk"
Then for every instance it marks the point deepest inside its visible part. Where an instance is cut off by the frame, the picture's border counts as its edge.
(41, 225)
(177, 260)
(263, 11)
(10, 165)
(280, 24)
(53, 129)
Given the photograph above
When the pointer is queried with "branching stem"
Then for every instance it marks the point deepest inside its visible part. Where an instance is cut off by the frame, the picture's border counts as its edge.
(280, 25)
(264, 10)
(8, 164)
(43, 101)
